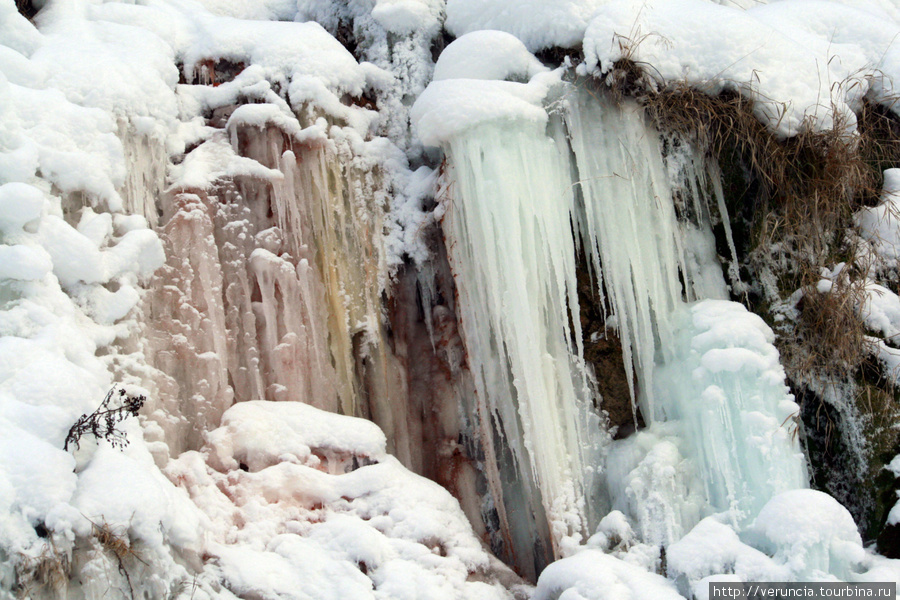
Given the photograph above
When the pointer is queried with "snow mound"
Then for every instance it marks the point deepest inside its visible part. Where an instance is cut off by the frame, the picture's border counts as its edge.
(449, 107)
(260, 434)
(811, 533)
(593, 575)
(713, 548)
(487, 55)
(538, 23)
(470, 87)
(404, 17)
(338, 525)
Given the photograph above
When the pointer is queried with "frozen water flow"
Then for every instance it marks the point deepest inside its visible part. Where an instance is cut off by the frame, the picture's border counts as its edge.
(512, 252)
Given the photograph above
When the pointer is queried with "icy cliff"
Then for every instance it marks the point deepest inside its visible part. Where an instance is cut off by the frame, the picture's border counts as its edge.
(446, 300)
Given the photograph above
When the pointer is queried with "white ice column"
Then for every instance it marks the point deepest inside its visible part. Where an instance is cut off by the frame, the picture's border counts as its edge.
(513, 254)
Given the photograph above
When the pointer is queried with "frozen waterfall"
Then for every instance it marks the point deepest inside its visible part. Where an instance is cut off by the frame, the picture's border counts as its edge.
(522, 199)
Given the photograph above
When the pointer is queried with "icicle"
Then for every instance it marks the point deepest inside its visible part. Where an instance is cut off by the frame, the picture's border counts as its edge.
(513, 254)
(734, 274)
(629, 227)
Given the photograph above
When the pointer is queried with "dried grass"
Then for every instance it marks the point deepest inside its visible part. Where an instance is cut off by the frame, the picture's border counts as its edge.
(47, 570)
(117, 544)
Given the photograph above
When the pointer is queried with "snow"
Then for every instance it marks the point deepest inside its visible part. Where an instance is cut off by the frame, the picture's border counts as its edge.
(593, 575)
(801, 72)
(74, 147)
(72, 265)
(487, 55)
(261, 434)
(880, 310)
(18, 34)
(713, 548)
(214, 159)
(403, 17)
(294, 51)
(353, 523)
(451, 106)
(24, 263)
(20, 204)
(811, 533)
(879, 224)
(481, 77)
(271, 188)
(538, 23)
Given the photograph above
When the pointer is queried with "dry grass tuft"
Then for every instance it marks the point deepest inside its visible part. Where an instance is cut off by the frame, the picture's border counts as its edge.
(829, 339)
(47, 570)
(114, 542)
(117, 544)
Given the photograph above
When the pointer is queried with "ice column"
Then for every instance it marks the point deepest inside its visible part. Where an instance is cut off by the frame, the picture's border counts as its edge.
(513, 254)
(725, 387)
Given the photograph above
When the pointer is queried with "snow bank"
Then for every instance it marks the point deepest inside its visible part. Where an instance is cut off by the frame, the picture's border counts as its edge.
(804, 63)
(347, 521)
(677, 43)
(69, 281)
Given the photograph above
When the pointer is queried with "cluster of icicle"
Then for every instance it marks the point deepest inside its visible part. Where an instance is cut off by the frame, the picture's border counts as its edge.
(523, 199)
